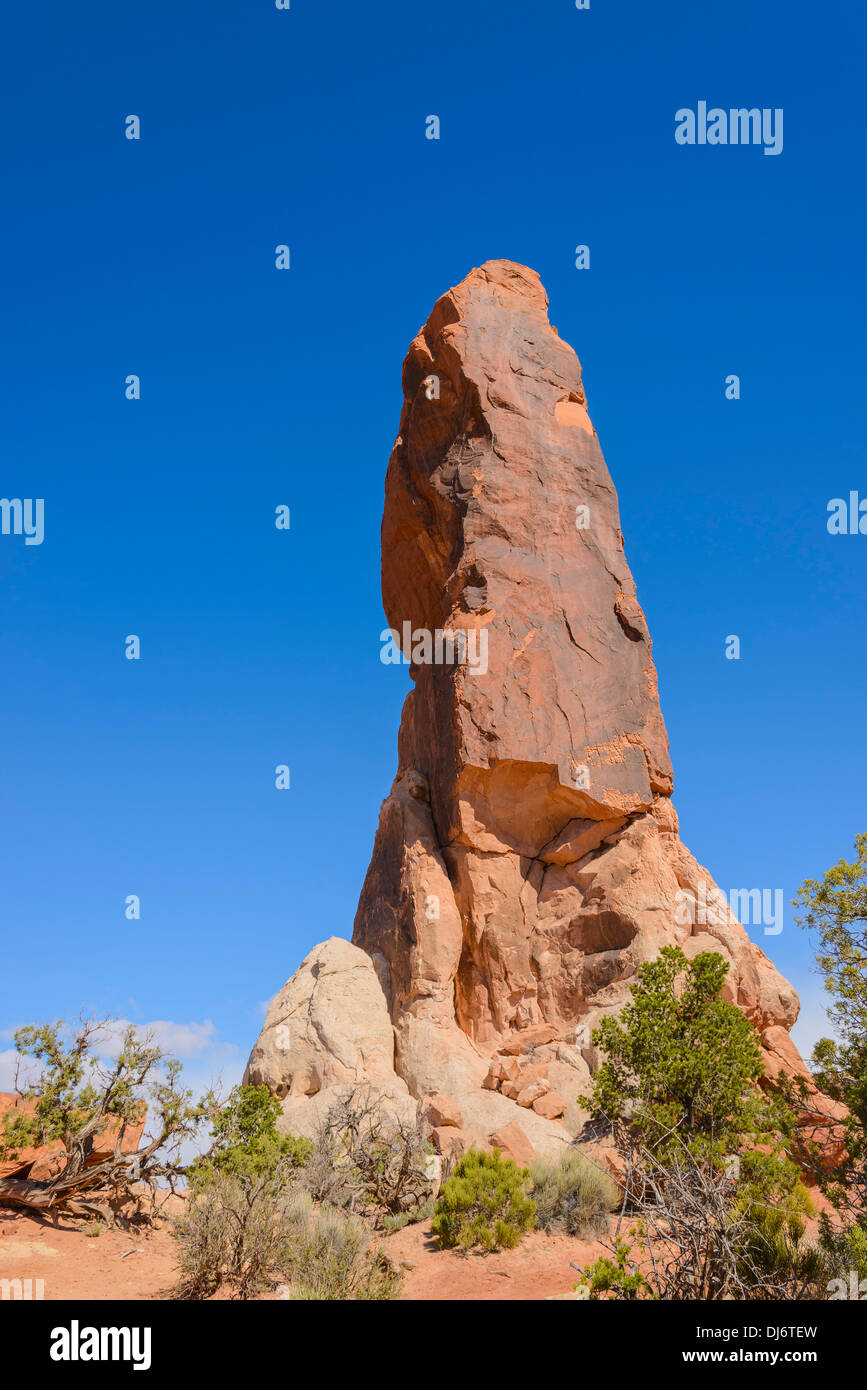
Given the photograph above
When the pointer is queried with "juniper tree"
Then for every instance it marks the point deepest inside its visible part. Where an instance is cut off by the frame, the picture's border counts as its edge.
(681, 1061)
(835, 907)
(245, 1141)
(89, 1103)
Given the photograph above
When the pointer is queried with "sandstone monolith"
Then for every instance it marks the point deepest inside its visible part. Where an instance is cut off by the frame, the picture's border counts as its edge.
(527, 858)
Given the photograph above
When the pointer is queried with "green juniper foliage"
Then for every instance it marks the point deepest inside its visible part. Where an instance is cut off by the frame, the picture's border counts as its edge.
(484, 1202)
(845, 1249)
(75, 1091)
(94, 1080)
(835, 906)
(707, 1154)
(614, 1278)
(246, 1143)
(776, 1242)
(681, 1064)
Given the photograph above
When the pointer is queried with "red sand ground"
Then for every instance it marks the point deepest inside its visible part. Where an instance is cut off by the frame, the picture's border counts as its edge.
(75, 1265)
(538, 1268)
(118, 1265)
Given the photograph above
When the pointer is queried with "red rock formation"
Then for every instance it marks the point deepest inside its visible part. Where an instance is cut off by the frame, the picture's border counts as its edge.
(44, 1160)
(527, 858)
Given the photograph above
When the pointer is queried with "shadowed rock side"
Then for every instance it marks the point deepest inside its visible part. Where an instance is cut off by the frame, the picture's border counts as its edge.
(527, 858)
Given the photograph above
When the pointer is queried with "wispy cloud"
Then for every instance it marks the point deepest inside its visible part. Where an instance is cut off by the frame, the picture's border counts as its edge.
(207, 1059)
(182, 1040)
(8, 1061)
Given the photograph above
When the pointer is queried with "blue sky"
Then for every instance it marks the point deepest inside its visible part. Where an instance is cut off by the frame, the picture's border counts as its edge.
(260, 387)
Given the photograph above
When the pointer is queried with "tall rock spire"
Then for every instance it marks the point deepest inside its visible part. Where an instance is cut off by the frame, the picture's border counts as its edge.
(527, 858)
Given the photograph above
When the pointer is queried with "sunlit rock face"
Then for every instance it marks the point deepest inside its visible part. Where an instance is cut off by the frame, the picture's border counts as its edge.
(527, 858)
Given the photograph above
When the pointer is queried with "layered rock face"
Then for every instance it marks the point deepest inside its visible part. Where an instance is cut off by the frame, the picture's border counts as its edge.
(527, 858)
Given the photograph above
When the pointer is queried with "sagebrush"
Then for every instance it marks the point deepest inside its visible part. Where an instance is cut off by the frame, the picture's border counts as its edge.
(572, 1195)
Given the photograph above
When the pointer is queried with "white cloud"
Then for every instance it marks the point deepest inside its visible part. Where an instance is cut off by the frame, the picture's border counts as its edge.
(181, 1040)
(7, 1069)
(9, 1063)
(207, 1059)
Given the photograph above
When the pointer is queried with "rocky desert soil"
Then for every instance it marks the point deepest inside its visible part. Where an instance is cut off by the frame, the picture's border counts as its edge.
(117, 1265)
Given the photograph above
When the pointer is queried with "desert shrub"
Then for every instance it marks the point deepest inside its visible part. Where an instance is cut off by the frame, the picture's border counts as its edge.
(844, 1248)
(702, 1235)
(247, 1234)
(330, 1256)
(484, 1202)
(706, 1154)
(201, 1234)
(777, 1258)
(572, 1195)
(369, 1160)
(613, 1278)
(424, 1212)
(234, 1231)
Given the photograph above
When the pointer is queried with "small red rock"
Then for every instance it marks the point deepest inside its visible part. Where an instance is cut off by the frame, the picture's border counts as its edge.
(513, 1143)
(550, 1106)
(440, 1111)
